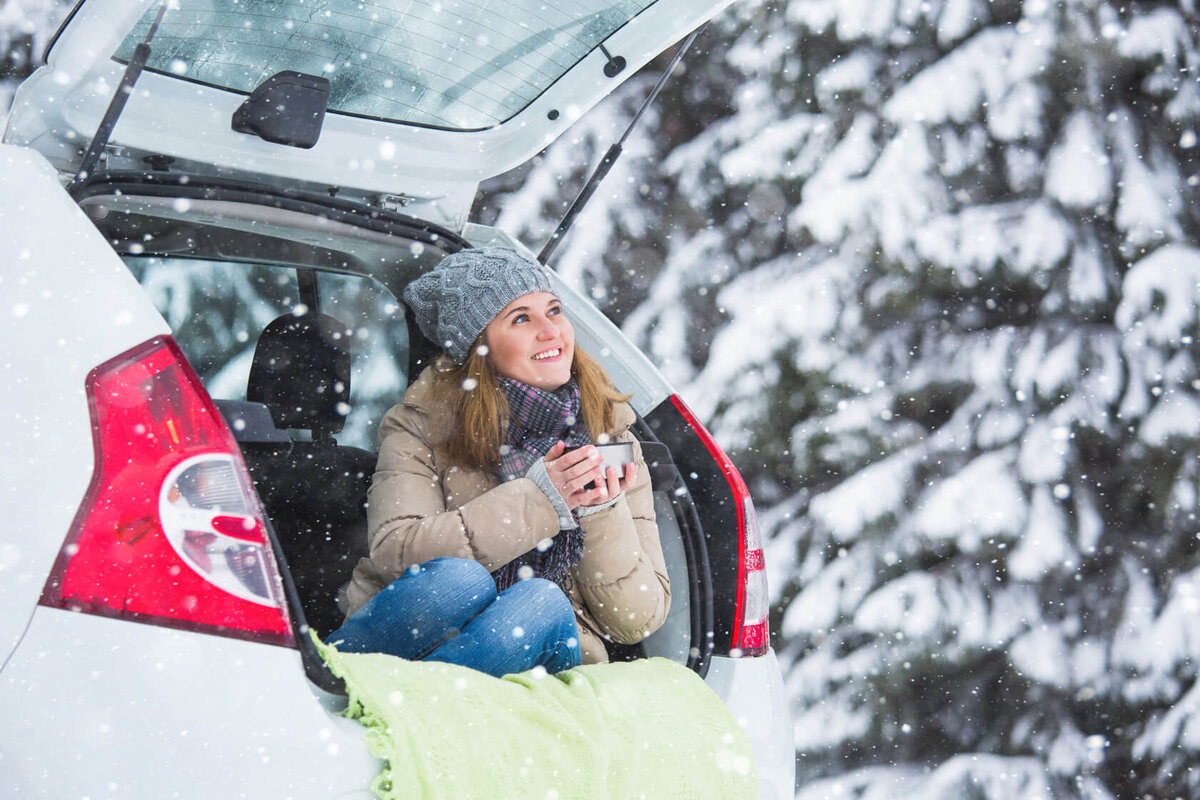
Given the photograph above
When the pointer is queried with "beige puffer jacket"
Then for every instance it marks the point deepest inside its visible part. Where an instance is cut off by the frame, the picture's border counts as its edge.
(420, 507)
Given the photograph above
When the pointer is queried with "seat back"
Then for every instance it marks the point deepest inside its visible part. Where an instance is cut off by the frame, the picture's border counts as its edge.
(301, 372)
(314, 491)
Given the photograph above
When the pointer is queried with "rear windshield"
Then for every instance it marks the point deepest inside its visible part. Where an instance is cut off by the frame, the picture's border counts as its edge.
(458, 64)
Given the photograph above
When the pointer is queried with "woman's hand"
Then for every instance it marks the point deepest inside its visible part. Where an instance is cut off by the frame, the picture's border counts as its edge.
(614, 483)
(571, 470)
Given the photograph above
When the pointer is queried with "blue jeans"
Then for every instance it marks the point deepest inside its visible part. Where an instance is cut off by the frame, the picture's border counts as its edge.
(447, 609)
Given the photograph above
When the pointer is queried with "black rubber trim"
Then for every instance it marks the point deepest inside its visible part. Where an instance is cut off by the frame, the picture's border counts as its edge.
(712, 508)
(664, 473)
(315, 668)
(235, 191)
(62, 26)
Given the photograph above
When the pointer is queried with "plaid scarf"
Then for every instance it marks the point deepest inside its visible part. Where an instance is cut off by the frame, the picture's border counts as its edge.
(536, 420)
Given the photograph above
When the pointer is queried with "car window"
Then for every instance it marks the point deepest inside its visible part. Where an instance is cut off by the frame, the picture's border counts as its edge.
(217, 309)
(458, 64)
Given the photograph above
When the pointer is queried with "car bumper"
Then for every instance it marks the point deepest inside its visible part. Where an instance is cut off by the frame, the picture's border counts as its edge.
(752, 690)
(102, 708)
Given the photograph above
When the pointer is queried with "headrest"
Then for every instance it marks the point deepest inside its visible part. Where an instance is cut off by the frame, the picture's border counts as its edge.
(301, 372)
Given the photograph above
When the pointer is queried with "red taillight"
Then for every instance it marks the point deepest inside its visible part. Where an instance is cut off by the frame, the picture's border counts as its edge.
(170, 531)
(751, 634)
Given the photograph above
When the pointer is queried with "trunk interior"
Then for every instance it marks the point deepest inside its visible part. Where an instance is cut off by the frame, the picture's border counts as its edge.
(289, 310)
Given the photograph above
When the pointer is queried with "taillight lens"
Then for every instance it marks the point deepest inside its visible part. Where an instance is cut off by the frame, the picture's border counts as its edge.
(170, 531)
(751, 633)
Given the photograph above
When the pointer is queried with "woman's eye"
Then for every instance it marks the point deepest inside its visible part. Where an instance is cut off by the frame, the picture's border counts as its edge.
(554, 311)
(519, 318)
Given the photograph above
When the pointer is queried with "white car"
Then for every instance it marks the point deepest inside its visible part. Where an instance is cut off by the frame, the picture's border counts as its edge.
(200, 329)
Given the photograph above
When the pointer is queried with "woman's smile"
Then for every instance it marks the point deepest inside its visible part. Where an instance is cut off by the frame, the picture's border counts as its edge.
(532, 341)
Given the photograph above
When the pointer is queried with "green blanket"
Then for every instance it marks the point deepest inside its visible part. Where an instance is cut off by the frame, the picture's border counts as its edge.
(643, 729)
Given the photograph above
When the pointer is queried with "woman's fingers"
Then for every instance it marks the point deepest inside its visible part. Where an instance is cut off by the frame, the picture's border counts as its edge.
(587, 468)
(599, 489)
(609, 486)
(561, 457)
(571, 470)
(579, 462)
(614, 481)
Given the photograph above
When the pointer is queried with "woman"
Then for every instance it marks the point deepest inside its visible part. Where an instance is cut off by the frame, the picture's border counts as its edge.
(488, 466)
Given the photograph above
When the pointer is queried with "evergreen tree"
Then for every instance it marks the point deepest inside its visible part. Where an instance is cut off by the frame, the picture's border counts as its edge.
(928, 269)
(25, 29)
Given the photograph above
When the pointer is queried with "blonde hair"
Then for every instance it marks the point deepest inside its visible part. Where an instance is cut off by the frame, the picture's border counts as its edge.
(481, 409)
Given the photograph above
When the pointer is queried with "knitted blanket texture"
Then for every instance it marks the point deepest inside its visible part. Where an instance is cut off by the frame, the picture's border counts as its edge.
(642, 729)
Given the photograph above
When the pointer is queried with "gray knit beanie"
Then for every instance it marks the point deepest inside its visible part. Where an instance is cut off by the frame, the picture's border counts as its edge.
(457, 299)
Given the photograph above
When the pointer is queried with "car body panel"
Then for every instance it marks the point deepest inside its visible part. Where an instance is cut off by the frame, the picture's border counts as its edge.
(125, 710)
(60, 276)
(434, 171)
(752, 689)
(185, 705)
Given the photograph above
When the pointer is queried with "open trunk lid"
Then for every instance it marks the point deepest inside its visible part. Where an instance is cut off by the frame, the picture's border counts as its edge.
(426, 99)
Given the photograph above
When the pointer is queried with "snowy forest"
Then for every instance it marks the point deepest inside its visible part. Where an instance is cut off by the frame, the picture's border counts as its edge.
(929, 270)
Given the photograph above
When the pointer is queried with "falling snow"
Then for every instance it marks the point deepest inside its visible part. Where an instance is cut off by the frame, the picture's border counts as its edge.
(929, 272)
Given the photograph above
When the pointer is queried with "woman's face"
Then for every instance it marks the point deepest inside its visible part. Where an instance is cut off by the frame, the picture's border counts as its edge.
(532, 342)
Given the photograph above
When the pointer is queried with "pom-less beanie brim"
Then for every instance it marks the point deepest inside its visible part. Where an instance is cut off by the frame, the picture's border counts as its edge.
(456, 300)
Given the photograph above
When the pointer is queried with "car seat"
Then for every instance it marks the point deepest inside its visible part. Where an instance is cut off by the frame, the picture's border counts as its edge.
(313, 490)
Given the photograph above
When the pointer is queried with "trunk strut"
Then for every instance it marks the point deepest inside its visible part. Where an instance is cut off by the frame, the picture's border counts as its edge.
(133, 70)
(611, 156)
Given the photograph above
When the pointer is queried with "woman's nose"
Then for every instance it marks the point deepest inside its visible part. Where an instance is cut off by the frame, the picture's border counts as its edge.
(546, 328)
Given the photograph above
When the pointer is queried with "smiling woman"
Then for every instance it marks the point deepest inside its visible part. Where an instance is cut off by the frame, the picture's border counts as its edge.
(532, 342)
(490, 458)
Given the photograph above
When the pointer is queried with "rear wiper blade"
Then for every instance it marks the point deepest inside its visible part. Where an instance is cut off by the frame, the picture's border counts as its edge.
(613, 153)
(133, 70)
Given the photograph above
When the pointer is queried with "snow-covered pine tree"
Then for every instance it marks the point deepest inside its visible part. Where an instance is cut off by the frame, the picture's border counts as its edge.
(931, 275)
(25, 29)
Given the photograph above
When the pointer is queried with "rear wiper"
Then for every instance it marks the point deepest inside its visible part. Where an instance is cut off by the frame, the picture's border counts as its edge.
(613, 153)
(91, 156)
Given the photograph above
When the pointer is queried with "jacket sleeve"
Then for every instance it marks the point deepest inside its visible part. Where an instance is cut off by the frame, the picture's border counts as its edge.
(622, 575)
(411, 519)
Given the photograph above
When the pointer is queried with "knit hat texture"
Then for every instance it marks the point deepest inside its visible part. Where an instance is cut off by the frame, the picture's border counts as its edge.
(457, 299)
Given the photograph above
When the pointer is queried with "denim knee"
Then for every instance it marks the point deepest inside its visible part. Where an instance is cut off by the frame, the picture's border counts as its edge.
(426, 605)
(457, 571)
(543, 595)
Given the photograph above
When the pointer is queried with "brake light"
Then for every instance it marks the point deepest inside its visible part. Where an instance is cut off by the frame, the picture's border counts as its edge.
(751, 633)
(170, 531)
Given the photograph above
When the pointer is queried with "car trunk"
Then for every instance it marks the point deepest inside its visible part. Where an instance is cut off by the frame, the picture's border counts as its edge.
(195, 247)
